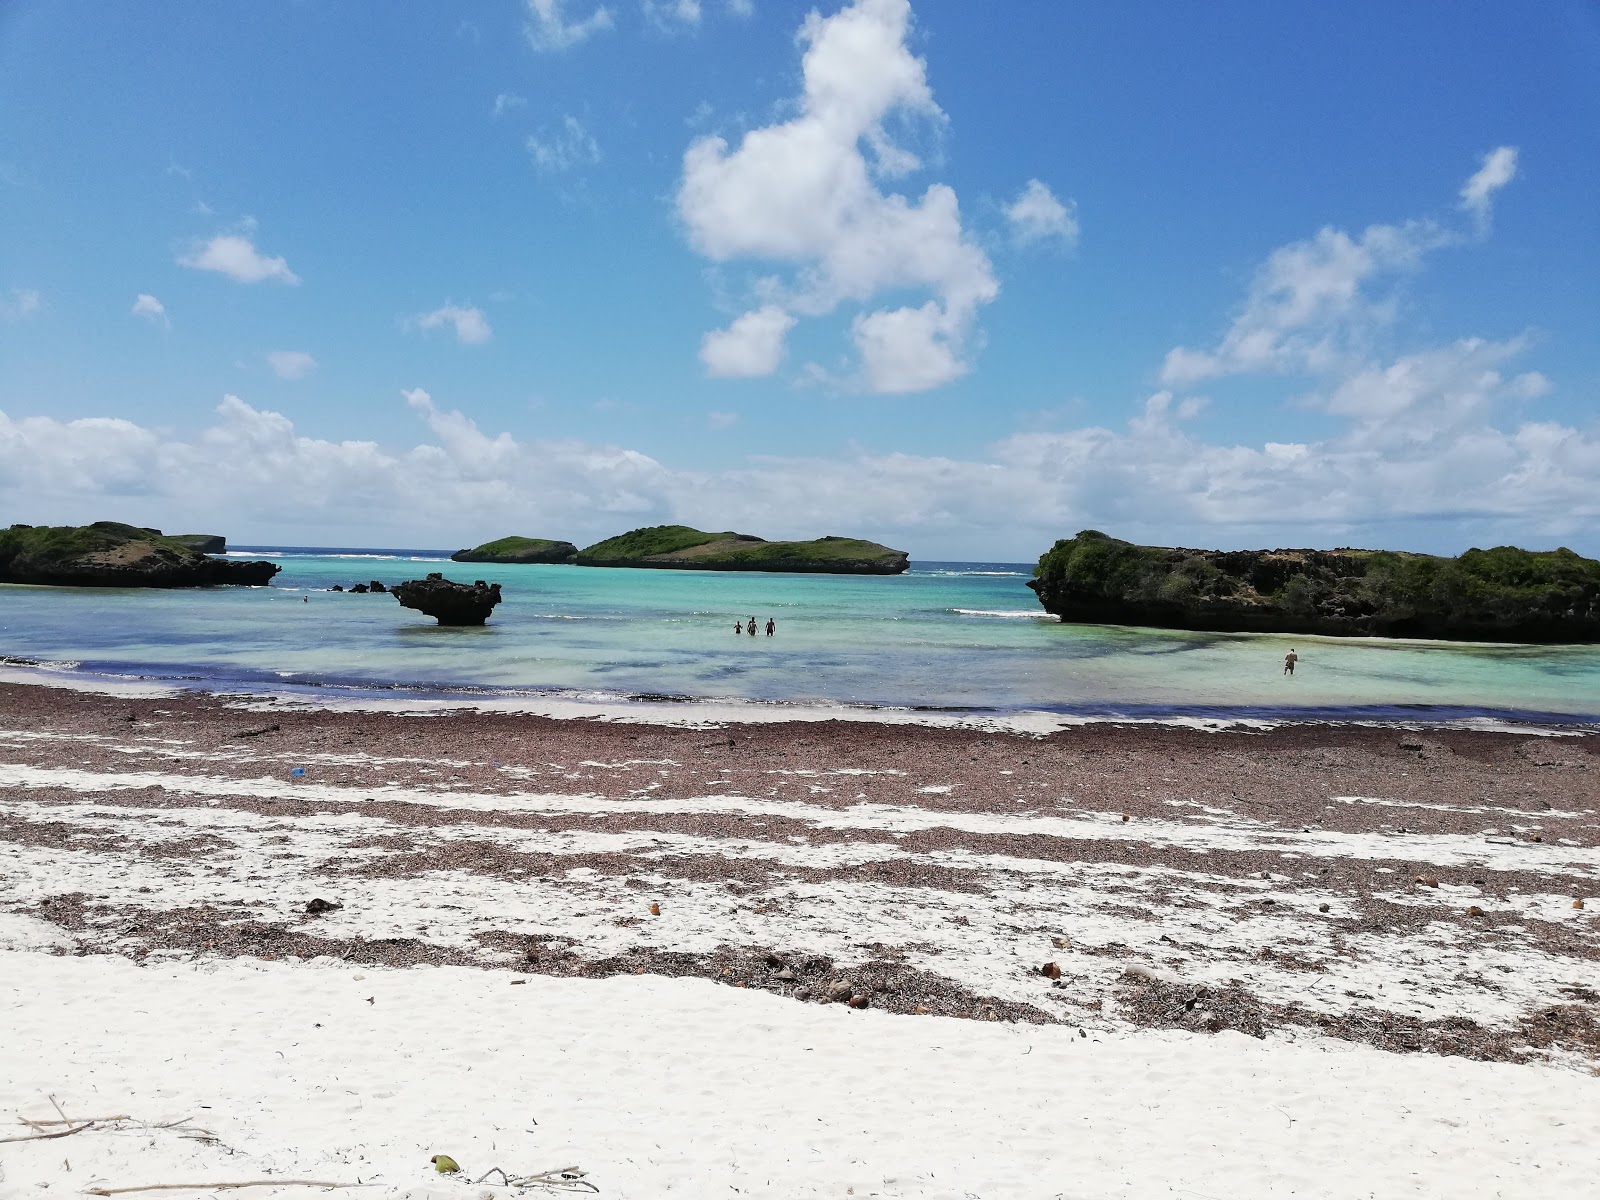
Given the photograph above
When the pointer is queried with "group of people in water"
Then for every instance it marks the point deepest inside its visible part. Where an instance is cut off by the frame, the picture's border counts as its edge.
(750, 627)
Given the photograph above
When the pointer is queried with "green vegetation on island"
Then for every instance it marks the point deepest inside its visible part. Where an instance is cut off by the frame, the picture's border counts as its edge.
(1504, 594)
(679, 547)
(518, 550)
(206, 543)
(111, 554)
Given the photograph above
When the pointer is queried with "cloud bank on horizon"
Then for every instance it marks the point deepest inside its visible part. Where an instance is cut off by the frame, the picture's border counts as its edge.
(807, 225)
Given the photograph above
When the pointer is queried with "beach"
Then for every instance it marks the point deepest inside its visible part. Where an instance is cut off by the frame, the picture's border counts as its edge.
(1339, 920)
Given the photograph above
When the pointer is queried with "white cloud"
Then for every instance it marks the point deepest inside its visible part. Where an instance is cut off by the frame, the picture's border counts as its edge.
(569, 146)
(909, 349)
(505, 102)
(1480, 473)
(150, 309)
(471, 326)
(22, 304)
(1036, 216)
(236, 256)
(751, 346)
(722, 420)
(672, 14)
(548, 27)
(291, 364)
(1308, 308)
(1311, 307)
(1499, 168)
(741, 8)
(804, 192)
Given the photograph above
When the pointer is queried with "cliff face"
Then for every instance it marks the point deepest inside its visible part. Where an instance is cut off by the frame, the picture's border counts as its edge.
(110, 554)
(518, 550)
(681, 548)
(1499, 595)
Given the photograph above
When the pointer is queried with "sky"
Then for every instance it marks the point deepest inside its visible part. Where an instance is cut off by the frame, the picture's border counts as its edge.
(960, 278)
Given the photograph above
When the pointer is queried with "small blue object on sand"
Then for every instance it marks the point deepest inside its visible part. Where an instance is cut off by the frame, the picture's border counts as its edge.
(297, 771)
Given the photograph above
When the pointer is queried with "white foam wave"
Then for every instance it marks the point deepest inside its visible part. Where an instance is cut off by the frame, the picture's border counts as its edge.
(1031, 613)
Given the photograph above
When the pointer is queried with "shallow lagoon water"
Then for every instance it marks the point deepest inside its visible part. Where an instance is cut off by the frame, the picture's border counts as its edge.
(967, 636)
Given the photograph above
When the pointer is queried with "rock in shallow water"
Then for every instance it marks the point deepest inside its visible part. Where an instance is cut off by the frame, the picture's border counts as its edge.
(450, 603)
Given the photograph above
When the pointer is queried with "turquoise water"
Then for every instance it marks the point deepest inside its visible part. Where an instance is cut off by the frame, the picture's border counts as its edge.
(943, 635)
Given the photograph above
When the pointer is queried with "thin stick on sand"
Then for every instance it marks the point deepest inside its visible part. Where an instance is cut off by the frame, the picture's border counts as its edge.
(197, 1187)
(40, 1137)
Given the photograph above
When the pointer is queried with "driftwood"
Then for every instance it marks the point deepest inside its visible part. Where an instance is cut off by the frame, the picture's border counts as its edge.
(196, 1187)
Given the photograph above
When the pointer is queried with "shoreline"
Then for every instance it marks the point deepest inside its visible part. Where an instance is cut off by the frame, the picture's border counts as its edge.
(676, 709)
(1355, 883)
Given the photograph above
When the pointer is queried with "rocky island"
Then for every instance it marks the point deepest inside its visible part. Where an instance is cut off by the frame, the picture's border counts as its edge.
(518, 550)
(449, 602)
(680, 548)
(111, 554)
(1499, 595)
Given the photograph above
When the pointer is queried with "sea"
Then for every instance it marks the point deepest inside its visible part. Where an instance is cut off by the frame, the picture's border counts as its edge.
(944, 637)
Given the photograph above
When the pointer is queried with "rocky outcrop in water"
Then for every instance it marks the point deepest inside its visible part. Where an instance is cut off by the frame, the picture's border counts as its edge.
(518, 550)
(111, 554)
(448, 602)
(1499, 595)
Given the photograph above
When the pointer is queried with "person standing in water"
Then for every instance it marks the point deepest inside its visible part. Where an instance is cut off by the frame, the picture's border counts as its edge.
(772, 627)
(1289, 661)
(751, 628)
(738, 628)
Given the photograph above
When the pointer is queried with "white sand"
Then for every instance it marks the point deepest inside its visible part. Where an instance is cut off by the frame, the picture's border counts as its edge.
(662, 1087)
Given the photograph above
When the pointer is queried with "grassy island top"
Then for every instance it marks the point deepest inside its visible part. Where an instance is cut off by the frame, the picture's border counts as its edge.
(683, 547)
(1504, 592)
(55, 543)
(518, 549)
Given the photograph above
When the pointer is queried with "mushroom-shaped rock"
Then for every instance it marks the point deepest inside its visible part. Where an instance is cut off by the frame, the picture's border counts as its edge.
(449, 602)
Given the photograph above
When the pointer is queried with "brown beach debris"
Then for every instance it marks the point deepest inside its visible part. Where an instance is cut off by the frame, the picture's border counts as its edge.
(317, 905)
(840, 989)
(1428, 881)
(859, 1001)
(1475, 911)
(1050, 971)
(655, 910)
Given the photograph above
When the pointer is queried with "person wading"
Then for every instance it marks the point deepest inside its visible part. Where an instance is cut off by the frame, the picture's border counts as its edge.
(751, 628)
(1289, 661)
(772, 627)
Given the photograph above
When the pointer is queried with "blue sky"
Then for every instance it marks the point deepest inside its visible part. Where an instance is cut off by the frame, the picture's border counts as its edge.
(963, 278)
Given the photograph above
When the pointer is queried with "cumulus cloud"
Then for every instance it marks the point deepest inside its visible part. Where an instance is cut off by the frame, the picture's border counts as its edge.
(506, 101)
(1459, 460)
(291, 364)
(1037, 216)
(805, 192)
(21, 304)
(751, 346)
(236, 256)
(470, 325)
(150, 309)
(569, 146)
(1477, 194)
(549, 28)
